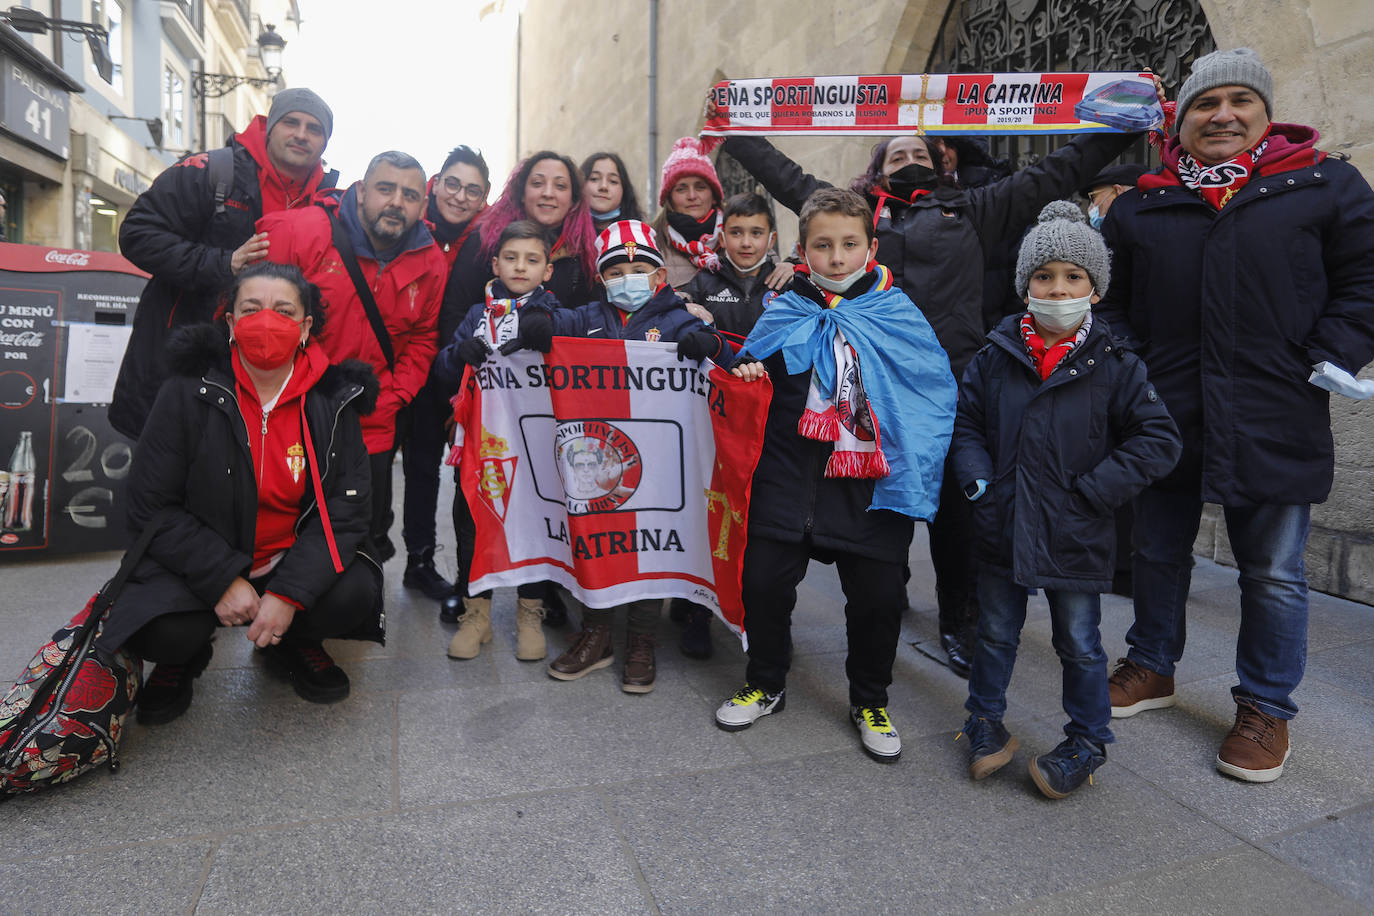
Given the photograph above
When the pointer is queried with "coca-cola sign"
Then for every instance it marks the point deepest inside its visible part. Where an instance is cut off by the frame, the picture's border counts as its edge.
(73, 258)
(22, 339)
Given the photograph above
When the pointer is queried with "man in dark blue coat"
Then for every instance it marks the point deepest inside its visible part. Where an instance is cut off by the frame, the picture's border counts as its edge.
(1247, 261)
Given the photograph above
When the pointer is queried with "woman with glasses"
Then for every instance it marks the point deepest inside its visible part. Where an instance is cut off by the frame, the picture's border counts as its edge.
(457, 195)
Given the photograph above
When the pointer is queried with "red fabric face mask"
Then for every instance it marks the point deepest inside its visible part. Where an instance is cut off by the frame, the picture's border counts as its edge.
(267, 338)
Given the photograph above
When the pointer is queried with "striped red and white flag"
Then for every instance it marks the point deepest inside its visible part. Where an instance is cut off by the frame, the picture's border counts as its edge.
(612, 468)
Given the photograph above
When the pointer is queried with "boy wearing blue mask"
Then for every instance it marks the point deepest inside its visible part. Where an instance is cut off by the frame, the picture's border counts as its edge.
(1056, 428)
(638, 304)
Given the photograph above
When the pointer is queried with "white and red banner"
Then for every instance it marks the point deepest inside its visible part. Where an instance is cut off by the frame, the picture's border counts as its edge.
(612, 468)
(937, 103)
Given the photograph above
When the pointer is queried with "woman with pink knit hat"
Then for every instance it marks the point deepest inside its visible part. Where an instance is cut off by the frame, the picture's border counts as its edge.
(688, 226)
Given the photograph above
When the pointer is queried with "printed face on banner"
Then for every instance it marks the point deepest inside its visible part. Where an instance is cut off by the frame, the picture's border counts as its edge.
(600, 466)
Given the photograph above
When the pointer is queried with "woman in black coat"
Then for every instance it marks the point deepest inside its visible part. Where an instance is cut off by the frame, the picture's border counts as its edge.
(253, 468)
(935, 238)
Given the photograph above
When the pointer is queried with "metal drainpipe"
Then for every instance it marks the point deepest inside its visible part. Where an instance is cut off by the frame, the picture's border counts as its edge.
(653, 106)
(519, 53)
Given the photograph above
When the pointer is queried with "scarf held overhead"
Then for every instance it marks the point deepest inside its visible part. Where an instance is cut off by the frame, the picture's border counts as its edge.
(881, 388)
(937, 104)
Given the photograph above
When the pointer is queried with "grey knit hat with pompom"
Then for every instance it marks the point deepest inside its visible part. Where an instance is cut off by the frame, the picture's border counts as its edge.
(1063, 234)
(1232, 67)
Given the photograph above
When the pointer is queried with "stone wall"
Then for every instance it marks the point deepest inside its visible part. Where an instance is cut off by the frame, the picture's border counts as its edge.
(585, 87)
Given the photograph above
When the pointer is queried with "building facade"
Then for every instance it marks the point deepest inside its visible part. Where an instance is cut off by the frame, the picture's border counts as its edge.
(76, 149)
(589, 82)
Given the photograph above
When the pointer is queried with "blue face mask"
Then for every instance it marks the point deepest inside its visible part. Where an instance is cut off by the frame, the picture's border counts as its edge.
(629, 292)
(1095, 217)
(608, 215)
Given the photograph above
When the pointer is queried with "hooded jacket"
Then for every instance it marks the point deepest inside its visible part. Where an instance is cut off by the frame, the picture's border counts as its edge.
(1059, 456)
(663, 318)
(195, 459)
(1232, 307)
(735, 302)
(174, 233)
(936, 246)
(407, 289)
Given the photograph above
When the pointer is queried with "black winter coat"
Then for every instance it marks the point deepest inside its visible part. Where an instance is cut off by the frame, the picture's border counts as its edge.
(194, 456)
(173, 232)
(936, 248)
(1059, 456)
(663, 318)
(735, 302)
(792, 500)
(467, 283)
(1232, 308)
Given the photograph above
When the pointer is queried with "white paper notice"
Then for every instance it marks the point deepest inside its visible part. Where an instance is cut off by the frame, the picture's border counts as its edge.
(94, 352)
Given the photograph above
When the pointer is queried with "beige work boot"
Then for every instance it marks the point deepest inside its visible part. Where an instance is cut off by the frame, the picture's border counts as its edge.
(529, 630)
(474, 629)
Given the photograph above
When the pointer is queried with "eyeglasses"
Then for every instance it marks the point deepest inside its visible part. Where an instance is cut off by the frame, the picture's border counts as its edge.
(471, 191)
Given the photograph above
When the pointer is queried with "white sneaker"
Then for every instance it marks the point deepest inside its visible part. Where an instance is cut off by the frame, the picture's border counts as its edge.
(748, 706)
(880, 739)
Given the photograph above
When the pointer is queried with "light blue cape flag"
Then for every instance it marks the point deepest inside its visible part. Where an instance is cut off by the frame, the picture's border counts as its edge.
(905, 372)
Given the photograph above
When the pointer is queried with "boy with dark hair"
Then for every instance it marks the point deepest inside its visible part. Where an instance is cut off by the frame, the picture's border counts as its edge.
(1057, 426)
(853, 452)
(737, 293)
(522, 266)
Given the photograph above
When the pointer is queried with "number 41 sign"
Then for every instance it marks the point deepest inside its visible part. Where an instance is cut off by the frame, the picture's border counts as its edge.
(34, 109)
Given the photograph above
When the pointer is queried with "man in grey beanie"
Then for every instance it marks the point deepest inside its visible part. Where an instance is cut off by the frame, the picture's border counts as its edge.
(1245, 264)
(193, 231)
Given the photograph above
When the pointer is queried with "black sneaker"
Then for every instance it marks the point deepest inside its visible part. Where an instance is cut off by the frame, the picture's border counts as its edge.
(421, 574)
(311, 670)
(990, 746)
(167, 692)
(695, 641)
(1067, 767)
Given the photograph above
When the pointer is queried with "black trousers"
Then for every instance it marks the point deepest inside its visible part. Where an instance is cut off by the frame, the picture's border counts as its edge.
(951, 553)
(382, 513)
(175, 638)
(873, 591)
(422, 454)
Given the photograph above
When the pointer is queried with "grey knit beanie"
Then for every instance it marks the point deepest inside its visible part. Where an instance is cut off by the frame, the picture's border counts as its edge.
(1236, 67)
(1063, 234)
(301, 99)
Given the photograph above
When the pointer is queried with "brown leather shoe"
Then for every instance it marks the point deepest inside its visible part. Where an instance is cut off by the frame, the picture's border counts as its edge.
(1135, 689)
(1257, 747)
(639, 673)
(591, 649)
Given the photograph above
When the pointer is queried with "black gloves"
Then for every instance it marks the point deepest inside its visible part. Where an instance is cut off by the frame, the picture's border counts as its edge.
(697, 345)
(473, 351)
(536, 333)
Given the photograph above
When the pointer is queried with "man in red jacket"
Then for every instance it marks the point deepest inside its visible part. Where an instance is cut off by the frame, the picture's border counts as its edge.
(376, 225)
(193, 231)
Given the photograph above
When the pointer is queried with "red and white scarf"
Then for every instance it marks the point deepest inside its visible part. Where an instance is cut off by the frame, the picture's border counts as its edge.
(846, 418)
(700, 251)
(500, 320)
(1218, 183)
(1048, 358)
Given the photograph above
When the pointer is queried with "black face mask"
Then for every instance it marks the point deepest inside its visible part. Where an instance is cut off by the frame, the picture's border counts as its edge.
(912, 178)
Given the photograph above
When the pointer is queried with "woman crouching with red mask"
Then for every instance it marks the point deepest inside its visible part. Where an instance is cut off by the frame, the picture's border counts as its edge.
(253, 469)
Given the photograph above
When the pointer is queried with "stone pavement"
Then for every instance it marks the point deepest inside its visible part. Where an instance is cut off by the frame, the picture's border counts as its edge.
(484, 786)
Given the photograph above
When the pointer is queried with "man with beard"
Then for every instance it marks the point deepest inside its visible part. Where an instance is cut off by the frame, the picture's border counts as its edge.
(373, 229)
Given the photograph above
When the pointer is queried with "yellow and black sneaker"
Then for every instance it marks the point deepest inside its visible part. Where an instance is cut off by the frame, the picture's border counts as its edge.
(747, 706)
(876, 732)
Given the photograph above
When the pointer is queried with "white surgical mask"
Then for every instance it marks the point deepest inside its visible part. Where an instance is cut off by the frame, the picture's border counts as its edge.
(1059, 316)
(629, 292)
(835, 286)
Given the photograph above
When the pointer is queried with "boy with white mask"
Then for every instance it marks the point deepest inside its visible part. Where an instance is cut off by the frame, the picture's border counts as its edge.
(1056, 428)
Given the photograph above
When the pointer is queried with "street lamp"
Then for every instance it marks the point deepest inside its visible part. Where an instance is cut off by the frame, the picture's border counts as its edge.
(215, 85)
(23, 19)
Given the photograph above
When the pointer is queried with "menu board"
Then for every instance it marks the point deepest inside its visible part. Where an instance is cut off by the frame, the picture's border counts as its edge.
(64, 324)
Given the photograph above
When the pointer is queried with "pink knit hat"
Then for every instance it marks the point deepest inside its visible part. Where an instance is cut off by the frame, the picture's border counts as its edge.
(687, 158)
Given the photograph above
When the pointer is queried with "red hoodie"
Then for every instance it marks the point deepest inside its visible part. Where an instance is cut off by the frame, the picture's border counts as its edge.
(278, 191)
(280, 463)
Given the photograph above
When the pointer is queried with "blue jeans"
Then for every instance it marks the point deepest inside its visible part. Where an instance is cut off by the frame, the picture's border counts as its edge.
(1268, 543)
(1074, 618)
